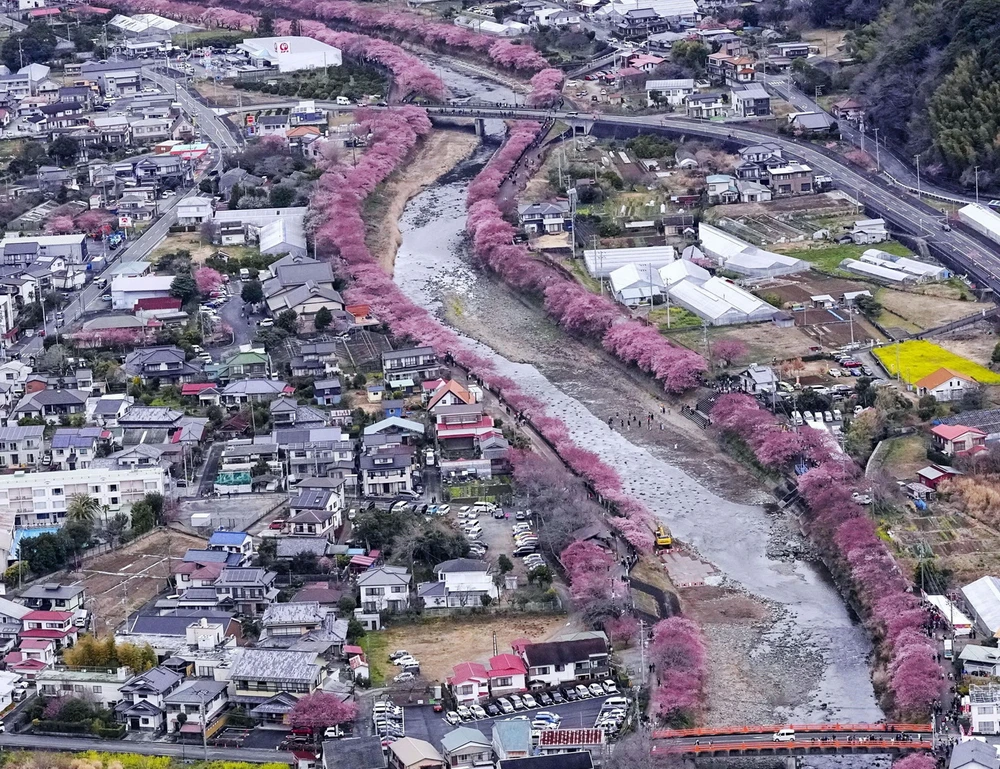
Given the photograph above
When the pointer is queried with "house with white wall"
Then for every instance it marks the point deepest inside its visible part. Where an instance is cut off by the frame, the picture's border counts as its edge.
(386, 588)
(461, 583)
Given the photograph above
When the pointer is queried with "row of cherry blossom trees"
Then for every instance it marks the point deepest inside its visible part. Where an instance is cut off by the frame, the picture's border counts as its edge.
(410, 74)
(677, 654)
(894, 615)
(576, 309)
(89, 221)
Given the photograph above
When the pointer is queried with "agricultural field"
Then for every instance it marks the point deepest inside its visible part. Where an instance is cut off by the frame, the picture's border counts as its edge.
(828, 258)
(917, 358)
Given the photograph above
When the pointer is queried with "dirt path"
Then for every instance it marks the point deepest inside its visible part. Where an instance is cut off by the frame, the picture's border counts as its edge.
(440, 152)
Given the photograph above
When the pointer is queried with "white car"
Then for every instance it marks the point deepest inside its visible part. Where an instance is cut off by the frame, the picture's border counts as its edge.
(444, 509)
(399, 653)
(452, 718)
(403, 677)
(582, 692)
(407, 660)
(529, 701)
(596, 689)
(464, 713)
(610, 687)
(477, 711)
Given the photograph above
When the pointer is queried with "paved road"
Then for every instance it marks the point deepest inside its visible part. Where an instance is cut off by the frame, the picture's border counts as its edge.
(75, 744)
(967, 254)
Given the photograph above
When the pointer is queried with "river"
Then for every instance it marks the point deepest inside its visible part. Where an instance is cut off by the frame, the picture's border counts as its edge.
(798, 655)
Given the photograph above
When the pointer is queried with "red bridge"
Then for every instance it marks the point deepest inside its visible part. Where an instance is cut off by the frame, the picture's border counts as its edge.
(808, 739)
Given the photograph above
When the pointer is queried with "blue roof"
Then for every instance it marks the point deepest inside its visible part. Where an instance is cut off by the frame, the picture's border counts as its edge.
(228, 538)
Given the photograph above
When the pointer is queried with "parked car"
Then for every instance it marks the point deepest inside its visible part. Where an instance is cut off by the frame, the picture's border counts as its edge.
(571, 694)
(516, 701)
(403, 677)
(399, 653)
(596, 689)
(529, 701)
(557, 697)
(610, 687)
(505, 706)
(477, 711)
(545, 699)
(493, 709)
(452, 718)
(464, 712)
(582, 692)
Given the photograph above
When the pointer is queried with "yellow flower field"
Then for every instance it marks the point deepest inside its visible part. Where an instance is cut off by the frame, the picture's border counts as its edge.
(918, 358)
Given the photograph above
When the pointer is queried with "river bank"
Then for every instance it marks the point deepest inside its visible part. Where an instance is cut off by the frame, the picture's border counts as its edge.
(782, 645)
(438, 154)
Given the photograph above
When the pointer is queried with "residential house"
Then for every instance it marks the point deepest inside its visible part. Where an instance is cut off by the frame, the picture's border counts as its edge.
(238, 542)
(461, 583)
(465, 747)
(544, 217)
(796, 50)
(55, 626)
(560, 662)
(193, 210)
(848, 109)
(411, 753)
(33, 655)
(327, 391)
(971, 753)
(984, 710)
(751, 100)
(245, 364)
(792, 179)
(21, 447)
(108, 408)
(126, 291)
(51, 596)
(258, 674)
(306, 301)
(385, 588)
(102, 687)
(449, 393)
(74, 448)
(142, 707)
(296, 618)
(512, 739)
(705, 106)
(251, 391)
(869, 231)
(672, 92)
(469, 683)
(51, 405)
(249, 590)
(980, 661)
(196, 700)
(387, 471)
(151, 129)
(934, 475)
(811, 122)
(316, 512)
(11, 621)
(957, 440)
(507, 674)
(463, 422)
(721, 188)
(945, 384)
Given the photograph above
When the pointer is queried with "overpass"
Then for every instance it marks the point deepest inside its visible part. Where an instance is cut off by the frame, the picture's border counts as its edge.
(809, 739)
(964, 251)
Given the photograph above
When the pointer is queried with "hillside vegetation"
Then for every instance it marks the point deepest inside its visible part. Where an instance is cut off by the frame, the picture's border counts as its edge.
(930, 73)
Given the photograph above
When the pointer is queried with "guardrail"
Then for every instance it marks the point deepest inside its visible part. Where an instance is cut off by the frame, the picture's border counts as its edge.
(666, 734)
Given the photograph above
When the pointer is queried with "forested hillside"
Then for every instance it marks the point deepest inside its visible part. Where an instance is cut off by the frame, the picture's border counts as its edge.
(931, 76)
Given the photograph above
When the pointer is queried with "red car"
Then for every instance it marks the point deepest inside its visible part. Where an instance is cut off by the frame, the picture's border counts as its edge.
(277, 525)
(302, 731)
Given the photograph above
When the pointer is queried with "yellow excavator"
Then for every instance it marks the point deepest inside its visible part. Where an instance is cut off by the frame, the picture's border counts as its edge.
(663, 536)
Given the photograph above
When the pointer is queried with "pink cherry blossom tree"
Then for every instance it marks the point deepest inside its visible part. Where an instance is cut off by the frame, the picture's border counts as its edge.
(729, 351)
(319, 711)
(207, 280)
(60, 225)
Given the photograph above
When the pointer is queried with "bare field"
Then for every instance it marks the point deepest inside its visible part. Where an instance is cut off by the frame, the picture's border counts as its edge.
(440, 644)
(764, 340)
(972, 343)
(122, 581)
(926, 311)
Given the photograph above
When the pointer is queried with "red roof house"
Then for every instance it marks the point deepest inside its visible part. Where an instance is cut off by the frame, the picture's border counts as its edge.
(469, 683)
(55, 625)
(957, 440)
(158, 303)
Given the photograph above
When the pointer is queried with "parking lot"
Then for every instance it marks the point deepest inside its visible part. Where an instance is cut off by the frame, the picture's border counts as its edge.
(497, 535)
(423, 723)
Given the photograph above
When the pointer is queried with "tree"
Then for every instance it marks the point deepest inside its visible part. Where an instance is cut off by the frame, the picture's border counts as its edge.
(729, 351)
(36, 43)
(44, 553)
(82, 507)
(355, 629)
(288, 320)
(996, 353)
(323, 318)
(184, 287)
(207, 280)
(252, 292)
(265, 27)
(115, 527)
(64, 150)
(504, 564)
(346, 605)
(319, 711)
(869, 306)
(281, 196)
(143, 517)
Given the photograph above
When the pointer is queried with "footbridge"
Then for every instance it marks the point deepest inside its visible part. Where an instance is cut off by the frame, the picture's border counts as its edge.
(808, 739)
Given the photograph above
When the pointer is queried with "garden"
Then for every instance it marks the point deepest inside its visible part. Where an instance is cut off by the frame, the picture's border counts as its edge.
(916, 358)
(350, 80)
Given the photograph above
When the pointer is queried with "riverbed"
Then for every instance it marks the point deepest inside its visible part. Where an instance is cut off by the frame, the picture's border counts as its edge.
(782, 644)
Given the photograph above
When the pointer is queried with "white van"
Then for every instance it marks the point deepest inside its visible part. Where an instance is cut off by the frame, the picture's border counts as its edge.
(343, 101)
(244, 273)
(785, 735)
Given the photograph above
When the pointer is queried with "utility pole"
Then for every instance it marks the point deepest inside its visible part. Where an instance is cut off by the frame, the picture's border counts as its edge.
(917, 159)
(878, 159)
(642, 651)
(977, 183)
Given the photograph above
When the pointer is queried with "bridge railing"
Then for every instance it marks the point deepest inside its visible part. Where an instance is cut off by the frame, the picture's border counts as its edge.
(794, 746)
(727, 731)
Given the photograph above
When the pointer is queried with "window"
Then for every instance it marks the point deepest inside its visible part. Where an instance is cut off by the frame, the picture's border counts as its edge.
(95, 489)
(113, 487)
(78, 688)
(38, 492)
(398, 589)
(57, 492)
(98, 689)
(505, 682)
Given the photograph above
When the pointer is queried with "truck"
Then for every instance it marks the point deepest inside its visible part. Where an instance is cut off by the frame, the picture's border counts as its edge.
(949, 649)
(663, 536)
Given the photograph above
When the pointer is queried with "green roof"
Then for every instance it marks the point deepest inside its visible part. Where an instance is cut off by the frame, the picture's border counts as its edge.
(233, 479)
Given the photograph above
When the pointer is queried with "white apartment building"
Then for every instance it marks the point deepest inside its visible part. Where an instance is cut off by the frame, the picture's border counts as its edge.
(102, 686)
(40, 499)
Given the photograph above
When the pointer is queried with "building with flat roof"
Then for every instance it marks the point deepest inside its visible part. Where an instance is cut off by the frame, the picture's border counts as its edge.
(290, 53)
